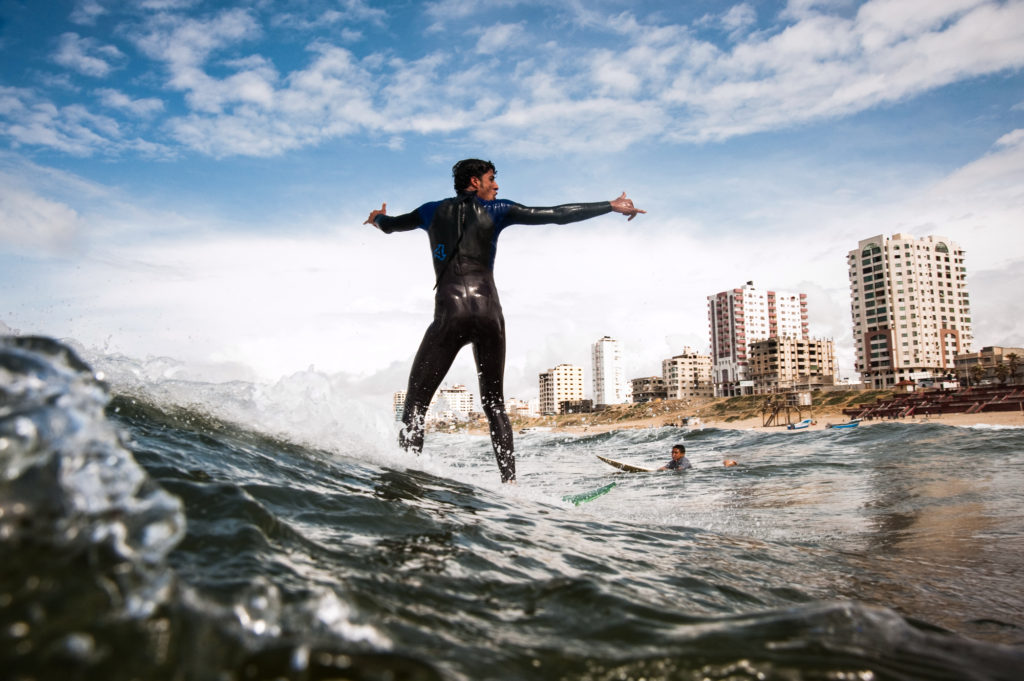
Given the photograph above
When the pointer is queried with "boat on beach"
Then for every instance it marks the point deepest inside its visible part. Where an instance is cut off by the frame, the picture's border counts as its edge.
(806, 423)
(852, 423)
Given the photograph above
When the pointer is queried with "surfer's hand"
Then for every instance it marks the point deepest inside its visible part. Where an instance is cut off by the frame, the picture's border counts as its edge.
(625, 206)
(374, 213)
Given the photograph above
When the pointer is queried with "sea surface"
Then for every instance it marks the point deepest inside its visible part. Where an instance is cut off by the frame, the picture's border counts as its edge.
(153, 526)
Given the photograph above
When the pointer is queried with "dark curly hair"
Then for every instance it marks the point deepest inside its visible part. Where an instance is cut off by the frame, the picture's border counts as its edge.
(467, 169)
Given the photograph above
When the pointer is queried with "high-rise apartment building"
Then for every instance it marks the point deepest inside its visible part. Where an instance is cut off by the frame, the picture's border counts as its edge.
(447, 403)
(609, 378)
(398, 404)
(740, 317)
(564, 383)
(687, 375)
(909, 305)
(453, 402)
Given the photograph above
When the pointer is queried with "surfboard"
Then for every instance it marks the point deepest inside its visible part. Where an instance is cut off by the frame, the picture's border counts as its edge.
(629, 468)
(582, 497)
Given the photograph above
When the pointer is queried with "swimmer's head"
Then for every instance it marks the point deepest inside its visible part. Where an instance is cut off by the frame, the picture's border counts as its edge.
(465, 170)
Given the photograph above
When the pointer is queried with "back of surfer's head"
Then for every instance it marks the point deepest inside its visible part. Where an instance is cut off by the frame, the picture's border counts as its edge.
(468, 168)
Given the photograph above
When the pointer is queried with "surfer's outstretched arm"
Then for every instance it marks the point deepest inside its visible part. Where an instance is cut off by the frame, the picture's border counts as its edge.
(569, 212)
(387, 224)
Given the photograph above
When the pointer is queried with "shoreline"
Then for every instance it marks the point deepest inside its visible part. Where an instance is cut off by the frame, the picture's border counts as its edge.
(1011, 419)
(749, 411)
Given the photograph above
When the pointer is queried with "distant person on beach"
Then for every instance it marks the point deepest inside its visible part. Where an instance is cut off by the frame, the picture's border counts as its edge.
(463, 233)
(679, 461)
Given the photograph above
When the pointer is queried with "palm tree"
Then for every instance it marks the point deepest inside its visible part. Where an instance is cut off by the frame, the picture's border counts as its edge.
(1002, 372)
(1013, 362)
(976, 373)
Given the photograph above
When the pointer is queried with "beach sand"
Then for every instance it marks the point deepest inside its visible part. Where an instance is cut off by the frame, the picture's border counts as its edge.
(1013, 418)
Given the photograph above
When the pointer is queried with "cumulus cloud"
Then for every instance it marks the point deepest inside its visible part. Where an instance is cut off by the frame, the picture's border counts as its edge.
(87, 11)
(142, 107)
(86, 55)
(184, 43)
(32, 120)
(498, 37)
(739, 19)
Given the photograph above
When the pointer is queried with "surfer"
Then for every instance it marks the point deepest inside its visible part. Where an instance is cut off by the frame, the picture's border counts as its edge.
(463, 233)
(679, 461)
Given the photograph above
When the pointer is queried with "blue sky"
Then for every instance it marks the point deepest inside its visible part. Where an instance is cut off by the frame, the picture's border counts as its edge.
(188, 179)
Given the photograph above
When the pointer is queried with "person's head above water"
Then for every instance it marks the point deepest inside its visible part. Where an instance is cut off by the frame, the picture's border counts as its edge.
(679, 450)
(476, 176)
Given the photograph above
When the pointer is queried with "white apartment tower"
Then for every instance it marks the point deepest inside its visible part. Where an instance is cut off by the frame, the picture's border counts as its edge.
(909, 306)
(453, 402)
(687, 375)
(742, 316)
(398, 404)
(564, 383)
(609, 378)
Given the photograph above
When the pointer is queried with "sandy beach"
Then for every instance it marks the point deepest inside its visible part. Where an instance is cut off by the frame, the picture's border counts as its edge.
(820, 423)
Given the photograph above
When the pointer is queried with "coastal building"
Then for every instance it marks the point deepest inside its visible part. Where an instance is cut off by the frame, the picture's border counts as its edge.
(564, 383)
(740, 317)
(398, 404)
(608, 375)
(786, 364)
(687, 375)
(515, 407)
(992, 364)
(455, 402)
(648, 389)
(909, 306)
(576, 407)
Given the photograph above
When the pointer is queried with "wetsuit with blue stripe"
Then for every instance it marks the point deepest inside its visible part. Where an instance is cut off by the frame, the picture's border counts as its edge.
(463, 235)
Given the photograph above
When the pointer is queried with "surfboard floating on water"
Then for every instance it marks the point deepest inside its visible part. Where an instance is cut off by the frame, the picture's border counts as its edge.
(588, 496)
(628, 467)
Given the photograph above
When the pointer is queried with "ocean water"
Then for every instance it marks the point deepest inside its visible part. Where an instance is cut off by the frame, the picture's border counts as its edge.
(153, 526)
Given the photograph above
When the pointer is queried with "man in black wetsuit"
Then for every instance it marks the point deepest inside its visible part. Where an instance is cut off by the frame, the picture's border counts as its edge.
(463, 235)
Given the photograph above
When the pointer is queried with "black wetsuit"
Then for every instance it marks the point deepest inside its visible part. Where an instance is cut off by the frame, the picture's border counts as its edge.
(463, 241)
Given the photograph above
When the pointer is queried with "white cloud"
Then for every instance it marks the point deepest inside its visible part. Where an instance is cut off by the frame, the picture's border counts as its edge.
(186, 43)
(885, 22)
(498, 37)
(87, 11)
(829, 66)
(142, 107)
(30, 223)
(739, 19)
(73, 129)
(86, 55)
(167, 5)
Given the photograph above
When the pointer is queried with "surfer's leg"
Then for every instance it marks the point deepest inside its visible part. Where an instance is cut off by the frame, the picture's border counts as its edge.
(489, 353)
(435, 356)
